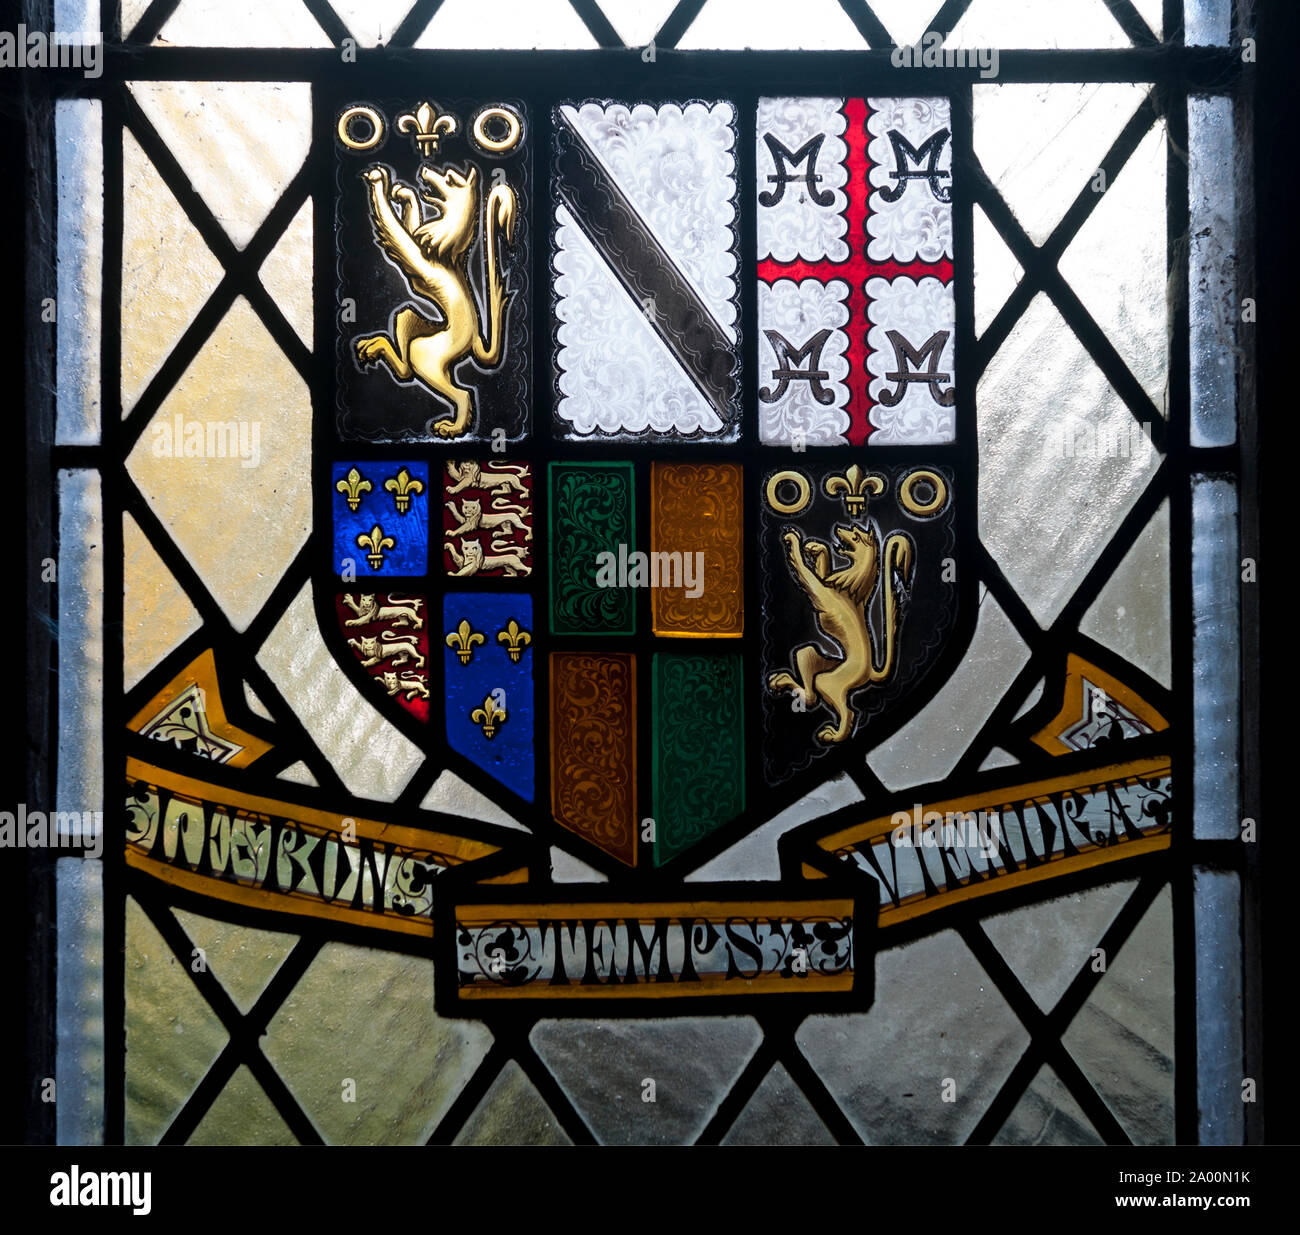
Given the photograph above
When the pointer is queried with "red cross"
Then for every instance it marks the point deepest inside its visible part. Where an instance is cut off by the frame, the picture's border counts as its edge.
(856, 271)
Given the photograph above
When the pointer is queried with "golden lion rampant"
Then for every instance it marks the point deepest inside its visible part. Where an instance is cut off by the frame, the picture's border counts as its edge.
(431, 254)
(841, 602)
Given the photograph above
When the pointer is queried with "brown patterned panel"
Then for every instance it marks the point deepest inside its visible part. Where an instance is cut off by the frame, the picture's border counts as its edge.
(697, 508)
(593, 749)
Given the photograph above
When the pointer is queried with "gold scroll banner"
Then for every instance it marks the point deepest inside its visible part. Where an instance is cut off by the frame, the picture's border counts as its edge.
(286, 858)
(938, 854)
(605, 951)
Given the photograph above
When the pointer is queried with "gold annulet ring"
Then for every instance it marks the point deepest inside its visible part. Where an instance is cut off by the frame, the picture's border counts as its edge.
(800, 481)
(345, 128)
(501, 145)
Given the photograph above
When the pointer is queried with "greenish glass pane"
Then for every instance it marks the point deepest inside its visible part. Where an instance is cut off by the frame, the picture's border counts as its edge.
(592, 513)
(699, 757)
(512, 1113)
(242, 1115)
(172, 1036)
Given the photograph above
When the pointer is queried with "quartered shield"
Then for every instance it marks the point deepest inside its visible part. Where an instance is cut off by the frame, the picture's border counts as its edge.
(635, 612)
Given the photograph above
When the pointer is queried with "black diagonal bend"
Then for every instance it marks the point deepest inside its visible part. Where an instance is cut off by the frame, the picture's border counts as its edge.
(650, 276)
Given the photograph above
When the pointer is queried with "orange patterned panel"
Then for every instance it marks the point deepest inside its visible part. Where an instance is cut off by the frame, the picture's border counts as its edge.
(696, 511)
(593, 749)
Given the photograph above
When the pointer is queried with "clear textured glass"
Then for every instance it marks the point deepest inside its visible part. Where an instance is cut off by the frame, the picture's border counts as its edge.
(637, 21)
(371, 756)
(602, 1067)
(1123, 1036)
(1214, 304)
(767, 25)
(1216, 656)
(1047, 1114)
(937, 1017)
(79, 285)
(1061, 454)
(1117, 264)
(778, 1114)
(1041, 168)
(1131, 613)
(242, 23)
(1031, 24)
(80, 779)
(372, 22)
(997, 273)
(79, 995)
(508, 24)
(1220, 1058)
(1207, 22)
(928, 747)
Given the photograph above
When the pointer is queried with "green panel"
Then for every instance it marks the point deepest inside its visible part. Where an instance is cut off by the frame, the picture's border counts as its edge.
(592, 512)
(699, 756)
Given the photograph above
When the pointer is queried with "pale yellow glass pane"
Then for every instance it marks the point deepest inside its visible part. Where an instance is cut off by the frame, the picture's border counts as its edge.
(371, 22)
(167, 272)
(157, 615)
(371, 756)
(240, 143)
(1061, 454)
(172, 1036)
(1041, 144)
(1116, 265)
(224, 463)
(1035, 24)
(1131, 613)
(366, 1016)
(506, 23)
(242, 1115)
(286, 273)
(242, 959)
(243, 23)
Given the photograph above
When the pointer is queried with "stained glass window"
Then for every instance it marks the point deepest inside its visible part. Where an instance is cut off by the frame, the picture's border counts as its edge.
(649, 573)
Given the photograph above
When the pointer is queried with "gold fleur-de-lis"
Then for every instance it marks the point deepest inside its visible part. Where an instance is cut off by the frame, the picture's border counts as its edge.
(515, 638)
(352, 486)
(403, 487)
(375, 542)
(427, 127)
(489, 716)
(462, 640)
(853, 486)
